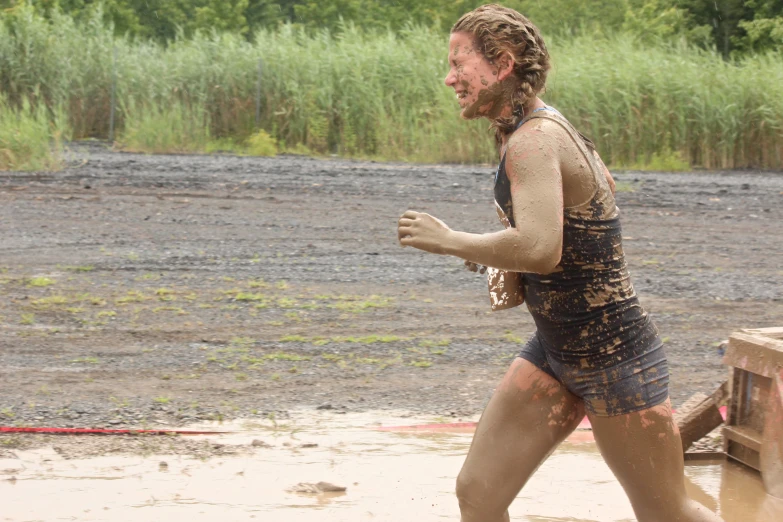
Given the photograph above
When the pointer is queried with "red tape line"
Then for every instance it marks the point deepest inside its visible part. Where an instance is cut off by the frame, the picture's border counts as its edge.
(584, 425)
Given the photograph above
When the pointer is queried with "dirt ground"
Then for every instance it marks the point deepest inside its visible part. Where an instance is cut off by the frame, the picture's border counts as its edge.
(153, 291)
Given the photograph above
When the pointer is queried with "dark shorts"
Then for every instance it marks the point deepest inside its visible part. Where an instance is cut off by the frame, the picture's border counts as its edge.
(623, 382)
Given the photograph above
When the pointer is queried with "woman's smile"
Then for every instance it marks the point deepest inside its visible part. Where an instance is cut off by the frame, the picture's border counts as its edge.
(469, 74)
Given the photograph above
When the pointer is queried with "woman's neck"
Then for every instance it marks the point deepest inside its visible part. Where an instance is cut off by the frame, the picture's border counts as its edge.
(535, 103)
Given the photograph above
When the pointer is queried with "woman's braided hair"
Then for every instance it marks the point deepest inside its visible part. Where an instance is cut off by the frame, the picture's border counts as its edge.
(496, 30)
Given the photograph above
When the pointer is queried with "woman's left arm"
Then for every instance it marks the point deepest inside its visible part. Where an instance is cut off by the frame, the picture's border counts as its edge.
(534, 244)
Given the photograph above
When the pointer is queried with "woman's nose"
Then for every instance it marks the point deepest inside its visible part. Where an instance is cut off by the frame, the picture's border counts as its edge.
(449, 80)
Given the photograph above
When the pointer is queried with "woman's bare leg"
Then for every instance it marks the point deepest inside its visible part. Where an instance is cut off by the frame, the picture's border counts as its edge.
(528, 416)
(644, 451)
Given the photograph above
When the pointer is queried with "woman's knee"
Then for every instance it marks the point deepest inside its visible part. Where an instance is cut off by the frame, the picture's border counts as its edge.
(468, 490)
(477, 503)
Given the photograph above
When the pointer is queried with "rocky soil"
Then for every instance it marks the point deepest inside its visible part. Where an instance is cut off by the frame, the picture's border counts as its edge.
(154, 291)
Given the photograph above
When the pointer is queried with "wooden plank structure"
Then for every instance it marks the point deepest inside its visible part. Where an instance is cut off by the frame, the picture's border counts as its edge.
(754, 425)
(772, 441)
(699, 415)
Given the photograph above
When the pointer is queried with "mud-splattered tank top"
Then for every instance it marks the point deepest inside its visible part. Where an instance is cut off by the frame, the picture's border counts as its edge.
(587, 305)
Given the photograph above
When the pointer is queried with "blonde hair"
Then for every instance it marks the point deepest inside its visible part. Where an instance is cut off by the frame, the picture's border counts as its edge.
(497, 30)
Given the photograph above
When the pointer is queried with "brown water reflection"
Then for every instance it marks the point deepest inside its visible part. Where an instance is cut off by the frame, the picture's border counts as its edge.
(390, 476)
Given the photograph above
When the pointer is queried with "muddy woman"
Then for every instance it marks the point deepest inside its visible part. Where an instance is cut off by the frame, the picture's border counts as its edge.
(595, 351)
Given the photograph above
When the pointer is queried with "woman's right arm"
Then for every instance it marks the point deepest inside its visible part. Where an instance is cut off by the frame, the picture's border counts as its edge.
(535, 243)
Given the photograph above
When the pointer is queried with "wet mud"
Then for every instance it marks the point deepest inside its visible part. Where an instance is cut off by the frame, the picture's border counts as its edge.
(154, 291)
(387, 475)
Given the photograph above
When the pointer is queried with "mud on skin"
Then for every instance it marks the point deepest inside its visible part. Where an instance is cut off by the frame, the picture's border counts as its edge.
(145, 322)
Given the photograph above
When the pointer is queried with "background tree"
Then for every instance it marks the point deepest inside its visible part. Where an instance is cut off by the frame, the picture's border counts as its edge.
(765, 31)
(221, 16)
(731, 26)
(723, 16)
(264, 13)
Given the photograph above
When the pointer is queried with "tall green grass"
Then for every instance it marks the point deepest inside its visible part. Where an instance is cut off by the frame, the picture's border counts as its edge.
(165, 128)
(382, 95)
(639, 102)
(30, 137)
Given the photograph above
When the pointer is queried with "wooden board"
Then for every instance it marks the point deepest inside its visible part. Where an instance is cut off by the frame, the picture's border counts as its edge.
(771, 455)
(758, 351)
(743, 444)
(699, 415)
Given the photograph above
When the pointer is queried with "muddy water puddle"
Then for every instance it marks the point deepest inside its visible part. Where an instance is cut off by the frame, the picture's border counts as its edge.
(389, 475)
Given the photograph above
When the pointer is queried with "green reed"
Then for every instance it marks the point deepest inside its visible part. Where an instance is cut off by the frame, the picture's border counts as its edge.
(173, 127)
(381, 95)
(31, 137)
(641, 101)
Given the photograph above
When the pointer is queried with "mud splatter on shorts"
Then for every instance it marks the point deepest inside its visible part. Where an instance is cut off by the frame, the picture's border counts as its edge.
(626, 381)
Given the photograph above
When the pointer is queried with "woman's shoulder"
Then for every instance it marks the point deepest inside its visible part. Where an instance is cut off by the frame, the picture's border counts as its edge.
(540, 132)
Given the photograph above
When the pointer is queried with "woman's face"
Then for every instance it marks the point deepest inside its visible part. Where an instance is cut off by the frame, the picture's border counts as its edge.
(475, 81)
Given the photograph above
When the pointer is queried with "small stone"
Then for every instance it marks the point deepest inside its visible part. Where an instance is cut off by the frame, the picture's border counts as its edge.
(258, 443)
(309, 445)
(163, 465)
(328, 487)
(325, 406)
(320, 487)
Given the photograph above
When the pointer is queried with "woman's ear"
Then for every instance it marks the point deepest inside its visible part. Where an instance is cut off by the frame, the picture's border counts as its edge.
(505, 64)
